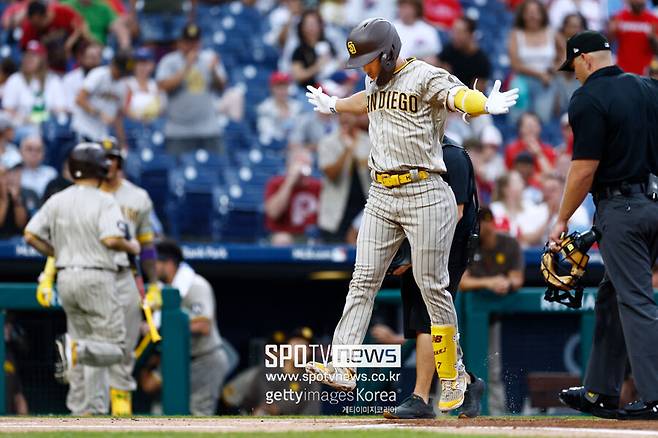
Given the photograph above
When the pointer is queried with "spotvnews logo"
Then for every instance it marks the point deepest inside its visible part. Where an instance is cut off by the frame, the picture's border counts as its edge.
(348, 356)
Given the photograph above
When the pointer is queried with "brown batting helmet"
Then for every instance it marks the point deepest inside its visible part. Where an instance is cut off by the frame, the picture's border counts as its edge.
(88, 160)
(371, 39)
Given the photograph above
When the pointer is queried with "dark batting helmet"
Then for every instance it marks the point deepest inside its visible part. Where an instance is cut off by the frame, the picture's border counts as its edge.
(88, 160)
(112, 149)
(371, 39)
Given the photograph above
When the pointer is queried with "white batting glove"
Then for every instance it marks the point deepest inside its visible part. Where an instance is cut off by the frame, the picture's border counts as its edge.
(500, 103)
(323, 103)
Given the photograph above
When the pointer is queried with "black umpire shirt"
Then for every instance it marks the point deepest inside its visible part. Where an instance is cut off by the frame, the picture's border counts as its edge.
(461, 179)
(614, 117)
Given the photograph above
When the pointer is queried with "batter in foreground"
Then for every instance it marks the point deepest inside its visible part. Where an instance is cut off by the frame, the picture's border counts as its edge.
(407, 102)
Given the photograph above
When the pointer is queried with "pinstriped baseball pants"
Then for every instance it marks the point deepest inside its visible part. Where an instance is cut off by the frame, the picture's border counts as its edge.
(95, 321)
(426, 213)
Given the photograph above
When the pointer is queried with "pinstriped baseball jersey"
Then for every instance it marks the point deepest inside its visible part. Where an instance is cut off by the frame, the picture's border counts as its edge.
(407, 117)
(74, 221)
(136, 206)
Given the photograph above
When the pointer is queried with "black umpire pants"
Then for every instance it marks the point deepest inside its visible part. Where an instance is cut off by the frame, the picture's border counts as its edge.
(626, 313)
(414, 312)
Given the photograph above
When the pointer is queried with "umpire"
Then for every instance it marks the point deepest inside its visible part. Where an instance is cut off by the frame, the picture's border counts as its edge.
(461, 178)
(614, 116)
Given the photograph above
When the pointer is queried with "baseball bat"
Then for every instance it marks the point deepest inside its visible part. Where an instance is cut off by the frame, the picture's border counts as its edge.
(135, 266)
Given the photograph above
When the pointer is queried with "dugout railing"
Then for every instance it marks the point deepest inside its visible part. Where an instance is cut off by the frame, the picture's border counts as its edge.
(175, 344)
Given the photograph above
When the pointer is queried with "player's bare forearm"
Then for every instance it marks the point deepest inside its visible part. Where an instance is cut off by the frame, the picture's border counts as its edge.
(468, 282)
(355, 104)
(122, 245)
(579, 181)
(39, 244)
(200, 327)
(516, 279)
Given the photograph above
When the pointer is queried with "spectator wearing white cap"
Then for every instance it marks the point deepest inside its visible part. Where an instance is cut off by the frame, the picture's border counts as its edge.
(9, 155)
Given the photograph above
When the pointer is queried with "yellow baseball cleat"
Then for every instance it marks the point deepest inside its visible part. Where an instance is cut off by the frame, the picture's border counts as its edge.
(121, 402)
(452, 392)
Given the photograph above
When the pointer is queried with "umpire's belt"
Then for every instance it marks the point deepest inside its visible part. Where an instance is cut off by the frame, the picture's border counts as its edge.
(619, 190)
(396, 179)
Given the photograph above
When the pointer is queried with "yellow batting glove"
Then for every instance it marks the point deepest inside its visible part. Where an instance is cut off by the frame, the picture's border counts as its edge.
(153, 297)
(46, 281)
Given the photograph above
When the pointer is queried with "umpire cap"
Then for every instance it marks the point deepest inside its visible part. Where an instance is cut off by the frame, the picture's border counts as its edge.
(371, 39)
(88, 160)
(586, 41)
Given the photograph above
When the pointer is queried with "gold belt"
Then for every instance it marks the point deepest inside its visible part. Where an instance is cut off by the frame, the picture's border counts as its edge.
(398, 179)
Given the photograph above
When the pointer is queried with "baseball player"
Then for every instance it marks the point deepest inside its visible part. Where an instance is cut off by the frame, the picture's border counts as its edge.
(81, 227)
(416, 321)
(136, 206)
(407, 102)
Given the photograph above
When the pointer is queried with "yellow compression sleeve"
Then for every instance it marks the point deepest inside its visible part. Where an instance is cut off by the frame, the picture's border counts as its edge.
(470, 101)
(49, 270)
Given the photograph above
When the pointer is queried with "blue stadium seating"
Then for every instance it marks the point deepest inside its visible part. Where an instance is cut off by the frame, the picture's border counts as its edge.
(191, 213)
(58, 139)
(154, 177)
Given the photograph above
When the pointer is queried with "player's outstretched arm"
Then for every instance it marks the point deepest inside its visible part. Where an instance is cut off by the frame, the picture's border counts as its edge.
(39, 244)
(325, 104)
(475, 103)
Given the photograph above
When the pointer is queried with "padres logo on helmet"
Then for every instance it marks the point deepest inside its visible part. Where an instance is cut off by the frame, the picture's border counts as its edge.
(351, 48)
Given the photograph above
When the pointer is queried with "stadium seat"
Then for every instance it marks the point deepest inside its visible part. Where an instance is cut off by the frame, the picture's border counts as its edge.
(155, 168)
(58, 139)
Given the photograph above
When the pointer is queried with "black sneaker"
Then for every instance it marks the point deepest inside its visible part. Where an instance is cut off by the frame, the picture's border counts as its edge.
(473, 398)
(580, 399)
(412, 408)
(639, 410)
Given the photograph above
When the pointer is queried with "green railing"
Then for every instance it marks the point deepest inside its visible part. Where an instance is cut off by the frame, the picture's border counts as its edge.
(175, 331)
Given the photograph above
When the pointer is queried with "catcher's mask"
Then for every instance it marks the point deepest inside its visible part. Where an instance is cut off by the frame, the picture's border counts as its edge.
(563, 270)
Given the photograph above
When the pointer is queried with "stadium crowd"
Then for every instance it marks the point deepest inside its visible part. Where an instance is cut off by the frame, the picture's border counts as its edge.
(208, 99)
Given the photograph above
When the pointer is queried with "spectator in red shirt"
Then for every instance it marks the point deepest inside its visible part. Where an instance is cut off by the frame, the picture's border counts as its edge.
(529, 131)
(635, 31)
(57, 27)
(291, 200)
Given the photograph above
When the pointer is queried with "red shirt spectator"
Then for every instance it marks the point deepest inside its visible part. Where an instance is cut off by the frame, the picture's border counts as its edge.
(518, 146)
(57, 18)
(634, 29)
(302, 208)
(442, 13)
(529, 133)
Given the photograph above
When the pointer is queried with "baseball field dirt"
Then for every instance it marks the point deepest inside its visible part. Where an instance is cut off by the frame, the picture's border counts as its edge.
(320, 427)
